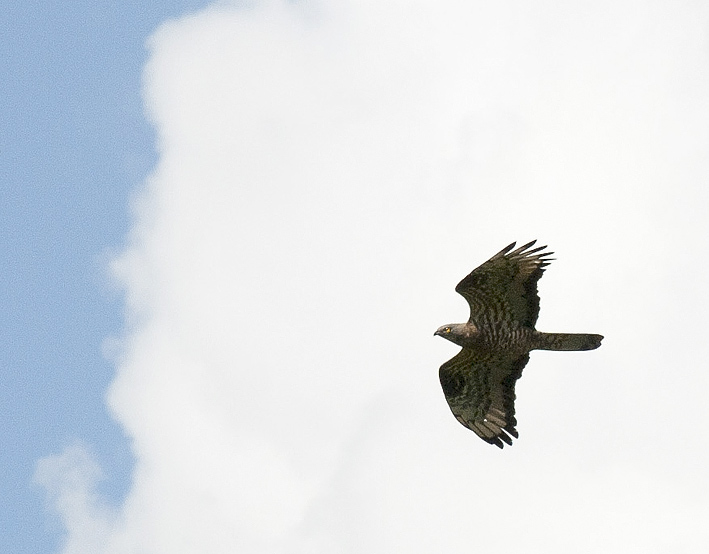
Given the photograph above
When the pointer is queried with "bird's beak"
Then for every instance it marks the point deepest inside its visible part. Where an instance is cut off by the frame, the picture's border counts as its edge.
(436, 333)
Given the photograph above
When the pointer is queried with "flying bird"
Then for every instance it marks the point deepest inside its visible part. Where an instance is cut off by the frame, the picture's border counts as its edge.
(479, 381)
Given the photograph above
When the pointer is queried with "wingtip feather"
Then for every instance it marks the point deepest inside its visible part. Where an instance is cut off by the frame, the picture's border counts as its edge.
(523, 248)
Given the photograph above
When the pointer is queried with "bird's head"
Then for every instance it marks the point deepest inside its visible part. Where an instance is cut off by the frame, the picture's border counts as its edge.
(453, 332)
(444, 330)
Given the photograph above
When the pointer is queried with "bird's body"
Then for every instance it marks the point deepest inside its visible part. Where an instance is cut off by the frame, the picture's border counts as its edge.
(479, 381)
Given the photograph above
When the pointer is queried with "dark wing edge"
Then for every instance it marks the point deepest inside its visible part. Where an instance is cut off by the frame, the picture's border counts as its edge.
(481, 394)
(510, 277)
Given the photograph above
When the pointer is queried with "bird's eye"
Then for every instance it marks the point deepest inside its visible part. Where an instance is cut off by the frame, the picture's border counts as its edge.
(447, 330)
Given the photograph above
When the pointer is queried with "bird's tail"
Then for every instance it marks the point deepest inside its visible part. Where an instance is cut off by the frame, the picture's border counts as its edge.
(567, 341)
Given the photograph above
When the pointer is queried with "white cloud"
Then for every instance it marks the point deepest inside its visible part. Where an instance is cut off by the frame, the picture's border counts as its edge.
(327, 173)
(70, 480)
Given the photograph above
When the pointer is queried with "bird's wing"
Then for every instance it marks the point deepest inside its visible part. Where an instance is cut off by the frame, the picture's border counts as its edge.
(481, 394)
(506, 285)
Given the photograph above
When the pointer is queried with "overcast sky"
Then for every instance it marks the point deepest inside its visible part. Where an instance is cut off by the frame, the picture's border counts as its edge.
(325, 174)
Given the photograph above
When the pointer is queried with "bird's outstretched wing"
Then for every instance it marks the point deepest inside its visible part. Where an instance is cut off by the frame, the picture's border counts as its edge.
(506, 285)
(481, 394)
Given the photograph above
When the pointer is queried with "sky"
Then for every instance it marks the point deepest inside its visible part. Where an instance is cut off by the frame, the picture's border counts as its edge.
(74, 146)
(234, 228)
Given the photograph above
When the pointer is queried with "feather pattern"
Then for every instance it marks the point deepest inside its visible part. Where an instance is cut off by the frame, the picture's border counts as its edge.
(505, 286)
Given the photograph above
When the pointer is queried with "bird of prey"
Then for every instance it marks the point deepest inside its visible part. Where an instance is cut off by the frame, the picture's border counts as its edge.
(479, 381)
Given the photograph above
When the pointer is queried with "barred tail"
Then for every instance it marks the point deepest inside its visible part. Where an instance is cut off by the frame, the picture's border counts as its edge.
(567, 341)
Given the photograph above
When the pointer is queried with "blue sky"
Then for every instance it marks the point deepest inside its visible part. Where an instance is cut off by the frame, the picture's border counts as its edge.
(248, 285)
(74, 145)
